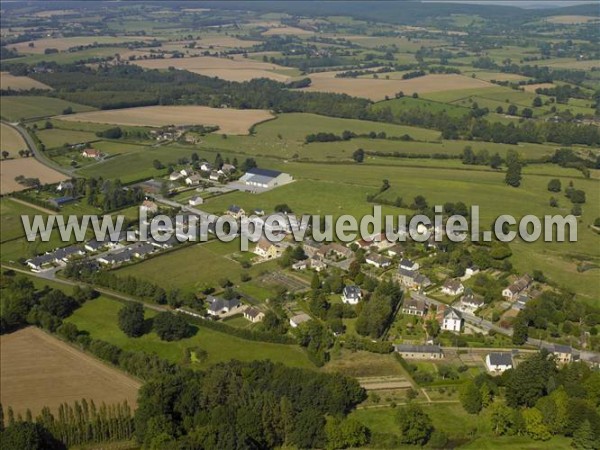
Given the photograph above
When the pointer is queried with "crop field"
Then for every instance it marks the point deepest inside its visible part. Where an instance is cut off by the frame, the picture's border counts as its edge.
(11, 140)
(240, 69)
(15, 108)
(39, 370)
(62, 44)
(569, 20)
(29, 168)
(15, 83)
(230, 121)
(286, 31)
(378, 89)
(99, 318)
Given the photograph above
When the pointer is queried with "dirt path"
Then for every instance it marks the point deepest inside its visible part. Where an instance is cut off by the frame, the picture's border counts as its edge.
(31, 205)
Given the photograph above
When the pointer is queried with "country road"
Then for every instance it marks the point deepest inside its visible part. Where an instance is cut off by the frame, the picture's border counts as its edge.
(40, 156)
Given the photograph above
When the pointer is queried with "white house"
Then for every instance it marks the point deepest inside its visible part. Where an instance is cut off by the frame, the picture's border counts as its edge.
(452, 320)
(218, 306)
(196, 200)
(453, 287)
(511, 292)
(407, 264)
(378, 260)
(470, 300)
(91, 153)
(299, 319)
(193, 180)
(351, 295)
(498, 362)
(206, 167)
(175, 176)
(265, 178)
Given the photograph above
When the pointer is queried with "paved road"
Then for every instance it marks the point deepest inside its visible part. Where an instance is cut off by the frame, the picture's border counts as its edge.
(486, 325)
(40, 156)
(50, 275)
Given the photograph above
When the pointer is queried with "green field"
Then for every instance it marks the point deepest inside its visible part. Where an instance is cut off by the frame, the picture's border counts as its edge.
(11, 226)
(15, 108)
(398, 104)
(205, 264)
(452, 419)
(99, 317)
(57, 137)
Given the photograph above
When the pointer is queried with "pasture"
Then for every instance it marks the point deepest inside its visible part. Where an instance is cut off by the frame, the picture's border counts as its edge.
(378, 89)
(15, 108)
(287, 31)
(230, 121)
(29, 168)
(39, 370)
(11, 140)
(56, 137)
(11, 212)
(15, 83)
(99, 318)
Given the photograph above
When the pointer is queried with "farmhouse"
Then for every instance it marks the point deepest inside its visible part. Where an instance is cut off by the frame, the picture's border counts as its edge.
(266, 249)
(311, 247)
(195, 201)
(253, 315)
(396, 250)
(351, 295)
(470, 300)
(451, 320)
(193, 180)
(517, 287)
(218, 306)
(175, 176)
(91, 153)
(407, 264)
(563, 354)
(419, 351)
(453, 287)
(378, 260)
(64, 186)
(299, 319)
(412, 279)
(414, 307)
(498, 362)
(236, 212)
(265, 178)
(149, 207)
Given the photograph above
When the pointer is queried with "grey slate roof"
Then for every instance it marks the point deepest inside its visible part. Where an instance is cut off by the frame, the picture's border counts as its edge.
(500, 359)
(408, 348)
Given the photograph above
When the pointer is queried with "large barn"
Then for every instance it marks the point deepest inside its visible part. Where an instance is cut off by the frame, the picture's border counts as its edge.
(265, 178)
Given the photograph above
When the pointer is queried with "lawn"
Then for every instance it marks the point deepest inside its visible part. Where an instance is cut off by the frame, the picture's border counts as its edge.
(16, 108)
(99, 318)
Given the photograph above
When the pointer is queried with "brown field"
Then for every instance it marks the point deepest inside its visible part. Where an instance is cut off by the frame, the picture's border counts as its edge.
(569, 20)
(238, 69)
(39, 370)
(11, 140)
(498, 76)
(288, 31)
(230, 121)
(580, 65)
(8, 81)
(29, 168)
(533, 87)
(63, 44)
(377, 89)
(224, 41)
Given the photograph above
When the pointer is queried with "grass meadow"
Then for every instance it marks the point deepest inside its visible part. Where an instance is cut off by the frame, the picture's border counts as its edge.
(99, 317)
(15, 108)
